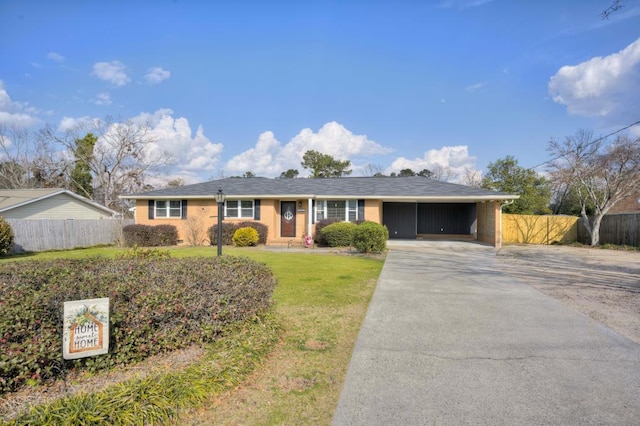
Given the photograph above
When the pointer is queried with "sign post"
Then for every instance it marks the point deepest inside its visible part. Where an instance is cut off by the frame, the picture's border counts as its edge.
(86, 328)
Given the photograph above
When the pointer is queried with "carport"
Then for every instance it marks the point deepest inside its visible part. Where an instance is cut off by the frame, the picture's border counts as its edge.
(454, 219)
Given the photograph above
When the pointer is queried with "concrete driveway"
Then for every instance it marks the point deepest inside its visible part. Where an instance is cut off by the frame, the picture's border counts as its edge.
(449, 340)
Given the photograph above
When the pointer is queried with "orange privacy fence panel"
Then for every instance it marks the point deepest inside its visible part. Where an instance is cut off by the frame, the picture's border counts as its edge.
(534, 229)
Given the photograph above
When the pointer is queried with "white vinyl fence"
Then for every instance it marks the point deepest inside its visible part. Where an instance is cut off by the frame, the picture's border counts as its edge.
(56, 234)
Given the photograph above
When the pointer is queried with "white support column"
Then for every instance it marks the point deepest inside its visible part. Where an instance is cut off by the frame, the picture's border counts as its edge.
(310, 217)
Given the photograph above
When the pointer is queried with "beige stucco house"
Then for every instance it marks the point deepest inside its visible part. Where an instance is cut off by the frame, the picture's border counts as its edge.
(49, 203)
(410, 207)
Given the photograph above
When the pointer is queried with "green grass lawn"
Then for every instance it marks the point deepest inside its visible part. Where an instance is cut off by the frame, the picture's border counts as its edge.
(320, 301)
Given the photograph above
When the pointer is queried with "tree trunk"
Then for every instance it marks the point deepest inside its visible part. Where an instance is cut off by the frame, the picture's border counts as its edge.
(595, 229)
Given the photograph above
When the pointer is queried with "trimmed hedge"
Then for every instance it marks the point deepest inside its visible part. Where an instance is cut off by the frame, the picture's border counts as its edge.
(370, 237)
(319, 237)
(230, 228)
(157, 305)
(150, 236)
(6, 237)
(245, 237)
(339, 234)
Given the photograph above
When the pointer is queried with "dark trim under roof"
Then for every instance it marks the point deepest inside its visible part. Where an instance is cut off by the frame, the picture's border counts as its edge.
(388, 188)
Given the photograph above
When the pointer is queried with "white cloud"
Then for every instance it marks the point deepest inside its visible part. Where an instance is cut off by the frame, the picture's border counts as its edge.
(70, 123)
(19, 114)
(194, 153)
(103, 98)
(115, 72)
(455, 159)
(156, 75)
(55, 57)
(196, 157)
(601, 86)
(269, 158)
(475, 87)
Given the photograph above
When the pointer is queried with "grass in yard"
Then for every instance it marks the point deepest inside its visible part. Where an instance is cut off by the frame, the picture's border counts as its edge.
(321, 300)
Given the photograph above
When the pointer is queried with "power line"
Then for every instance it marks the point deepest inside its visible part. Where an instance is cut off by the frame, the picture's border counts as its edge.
(588, 144)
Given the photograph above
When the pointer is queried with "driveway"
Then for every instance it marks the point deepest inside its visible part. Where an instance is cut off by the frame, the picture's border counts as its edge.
(448, 339)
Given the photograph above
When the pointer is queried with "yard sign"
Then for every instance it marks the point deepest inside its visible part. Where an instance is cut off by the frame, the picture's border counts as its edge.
(86, 328)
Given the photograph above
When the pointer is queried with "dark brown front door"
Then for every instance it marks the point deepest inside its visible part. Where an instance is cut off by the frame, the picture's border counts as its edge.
(288, 218)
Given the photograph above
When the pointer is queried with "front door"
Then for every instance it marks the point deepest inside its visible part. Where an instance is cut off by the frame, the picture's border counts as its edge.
(288, 219)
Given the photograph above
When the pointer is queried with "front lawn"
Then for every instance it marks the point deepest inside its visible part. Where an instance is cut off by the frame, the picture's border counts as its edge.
(320, 301)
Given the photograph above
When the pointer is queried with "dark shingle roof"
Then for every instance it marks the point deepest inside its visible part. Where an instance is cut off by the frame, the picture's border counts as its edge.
(348, 187)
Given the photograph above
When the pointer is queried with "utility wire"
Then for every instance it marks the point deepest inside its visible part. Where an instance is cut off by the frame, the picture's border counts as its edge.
(588, 144)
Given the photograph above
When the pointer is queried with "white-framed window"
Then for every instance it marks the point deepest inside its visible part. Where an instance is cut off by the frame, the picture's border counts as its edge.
(168, 209)
(240, 209)
(344, 210)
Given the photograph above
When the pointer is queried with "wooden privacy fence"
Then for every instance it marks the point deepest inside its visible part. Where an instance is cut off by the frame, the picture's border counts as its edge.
(619, 229)
(57, 234)
(536, 229)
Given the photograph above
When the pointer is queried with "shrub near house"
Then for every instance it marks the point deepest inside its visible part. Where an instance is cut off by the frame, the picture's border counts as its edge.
(230, 228)
(150, 236)
(6, 237)
(158, 304)
(370, 237)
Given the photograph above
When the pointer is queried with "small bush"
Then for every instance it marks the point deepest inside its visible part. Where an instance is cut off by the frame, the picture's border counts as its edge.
(228, 229)
(157, 305)
(244, 237)
(136, 235)
(6, 237)
(319, 237)
(164, 235)
(262, 229)
(150, 236)
(339, 234)
(370, 237)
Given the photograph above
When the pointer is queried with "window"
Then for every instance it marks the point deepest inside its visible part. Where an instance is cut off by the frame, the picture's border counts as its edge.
(239, 209)
(344, 210)
(169, 209)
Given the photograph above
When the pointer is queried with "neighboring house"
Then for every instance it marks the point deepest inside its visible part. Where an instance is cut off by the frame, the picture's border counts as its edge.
(630, 204)
(410, 207)
(50, 203)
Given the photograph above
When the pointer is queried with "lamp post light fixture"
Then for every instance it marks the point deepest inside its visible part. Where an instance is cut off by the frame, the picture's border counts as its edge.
(220, 196)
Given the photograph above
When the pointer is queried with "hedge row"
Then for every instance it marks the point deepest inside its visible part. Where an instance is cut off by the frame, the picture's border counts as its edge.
(157, 305)
(230, 228)
(366, 237)
(150, 236)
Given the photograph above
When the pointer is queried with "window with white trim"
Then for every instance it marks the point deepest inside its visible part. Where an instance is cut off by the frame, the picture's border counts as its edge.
(168, 209)
(240, 209)
(343, 210)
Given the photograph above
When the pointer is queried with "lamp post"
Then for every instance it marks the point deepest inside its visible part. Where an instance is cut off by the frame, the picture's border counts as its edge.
(220, 200)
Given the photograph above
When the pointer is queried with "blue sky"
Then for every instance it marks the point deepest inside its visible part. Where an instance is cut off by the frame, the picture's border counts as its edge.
(240, 86)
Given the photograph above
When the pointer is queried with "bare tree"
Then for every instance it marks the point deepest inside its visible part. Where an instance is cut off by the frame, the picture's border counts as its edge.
(122, 160)
(372, 170)
(600, 173)
(615, 6)
(16, 158)
(472, 177)
(29, 162)
(442, 173)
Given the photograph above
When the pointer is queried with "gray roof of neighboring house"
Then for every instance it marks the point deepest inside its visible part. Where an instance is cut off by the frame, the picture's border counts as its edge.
(13, 198)
(388, 188)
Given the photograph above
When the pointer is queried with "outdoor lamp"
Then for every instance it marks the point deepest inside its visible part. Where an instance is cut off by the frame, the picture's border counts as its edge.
(220, 196)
